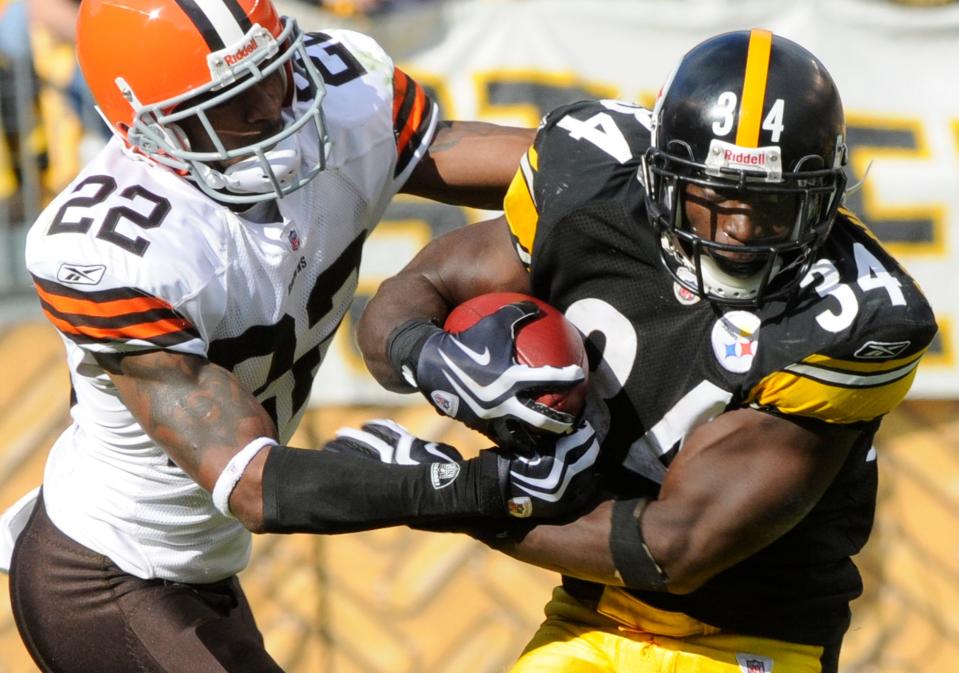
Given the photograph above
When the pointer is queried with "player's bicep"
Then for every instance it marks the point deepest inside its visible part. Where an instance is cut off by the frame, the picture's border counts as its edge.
(461, 264)
(740, 482)
(197, 411)
(472, 260)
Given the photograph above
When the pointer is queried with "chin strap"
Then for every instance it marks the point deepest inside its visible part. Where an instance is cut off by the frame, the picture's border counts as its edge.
(276, 169)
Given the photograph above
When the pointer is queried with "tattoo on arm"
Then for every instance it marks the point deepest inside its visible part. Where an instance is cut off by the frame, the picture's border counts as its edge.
(470, 163)
(197, 411)
(448, 136)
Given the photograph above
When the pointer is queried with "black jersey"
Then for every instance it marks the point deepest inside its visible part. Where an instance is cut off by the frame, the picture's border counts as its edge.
(844, 349)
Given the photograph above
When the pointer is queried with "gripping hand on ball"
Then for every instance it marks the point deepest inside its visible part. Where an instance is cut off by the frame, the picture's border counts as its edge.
(474, 376)
(550, 483)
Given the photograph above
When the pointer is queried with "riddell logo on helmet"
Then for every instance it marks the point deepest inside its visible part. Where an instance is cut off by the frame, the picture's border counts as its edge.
(731, 157)
(241, 53)
(765, 161)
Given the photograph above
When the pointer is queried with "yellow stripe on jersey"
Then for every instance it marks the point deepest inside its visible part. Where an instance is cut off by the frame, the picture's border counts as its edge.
(861, 366)
(837, 391)
(754, 88)
(519, 206)
(533, 157)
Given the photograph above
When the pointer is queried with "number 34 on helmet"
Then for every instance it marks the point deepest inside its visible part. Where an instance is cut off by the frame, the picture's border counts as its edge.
(155, 65)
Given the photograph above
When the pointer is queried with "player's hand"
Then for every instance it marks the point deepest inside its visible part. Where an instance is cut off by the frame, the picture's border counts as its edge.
(474, 377)
(550, 483)
(389, 442)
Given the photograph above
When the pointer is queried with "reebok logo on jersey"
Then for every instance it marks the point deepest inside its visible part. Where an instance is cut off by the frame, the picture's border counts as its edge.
(443, 474)
(881, 350)
(754, 663)
(81, 274)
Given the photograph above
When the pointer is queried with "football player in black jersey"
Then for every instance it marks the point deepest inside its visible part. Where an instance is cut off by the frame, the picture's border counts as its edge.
(747, 334)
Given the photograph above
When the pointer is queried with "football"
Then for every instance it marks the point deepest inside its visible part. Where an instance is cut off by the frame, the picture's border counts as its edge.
(547, 340)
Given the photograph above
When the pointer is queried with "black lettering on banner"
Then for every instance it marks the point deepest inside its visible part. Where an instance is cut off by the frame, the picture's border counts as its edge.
(543, 95)
(108, 229)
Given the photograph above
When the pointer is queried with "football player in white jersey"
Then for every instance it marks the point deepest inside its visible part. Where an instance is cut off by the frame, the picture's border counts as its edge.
(747, 335)
(197, 270)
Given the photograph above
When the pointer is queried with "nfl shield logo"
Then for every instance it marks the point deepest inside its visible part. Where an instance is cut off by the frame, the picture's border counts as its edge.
(294, 240)
(754, 663)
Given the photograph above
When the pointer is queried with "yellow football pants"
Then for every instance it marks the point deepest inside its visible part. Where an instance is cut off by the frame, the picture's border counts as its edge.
(633, 637)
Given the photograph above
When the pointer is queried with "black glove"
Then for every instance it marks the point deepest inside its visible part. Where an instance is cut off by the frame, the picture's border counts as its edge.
(537, 485)
(389, 442)
(554, 482)
(474, 377)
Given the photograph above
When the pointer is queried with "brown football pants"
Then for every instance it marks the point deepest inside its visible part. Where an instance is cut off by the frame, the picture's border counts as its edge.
(77, 612)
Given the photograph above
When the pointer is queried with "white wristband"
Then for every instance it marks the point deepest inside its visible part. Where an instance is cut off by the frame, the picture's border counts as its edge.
(231, 474)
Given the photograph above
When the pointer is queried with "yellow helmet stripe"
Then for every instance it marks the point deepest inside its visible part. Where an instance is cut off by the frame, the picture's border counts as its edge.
(754, 88)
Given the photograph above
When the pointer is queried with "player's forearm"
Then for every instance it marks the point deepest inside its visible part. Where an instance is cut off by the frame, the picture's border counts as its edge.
(578, 549)
(470, 163)
(329, 491)
(406, 296)
(197, 411)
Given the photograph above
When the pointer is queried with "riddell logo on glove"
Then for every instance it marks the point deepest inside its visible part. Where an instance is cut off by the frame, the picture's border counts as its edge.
(446, 402)
(443, 474)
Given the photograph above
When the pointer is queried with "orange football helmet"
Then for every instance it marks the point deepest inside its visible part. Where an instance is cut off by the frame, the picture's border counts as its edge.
(153, 63)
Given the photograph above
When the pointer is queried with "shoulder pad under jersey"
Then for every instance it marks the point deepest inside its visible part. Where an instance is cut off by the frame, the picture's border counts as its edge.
(847, 349)
(583, 151)
(130, 258)
(369, 102)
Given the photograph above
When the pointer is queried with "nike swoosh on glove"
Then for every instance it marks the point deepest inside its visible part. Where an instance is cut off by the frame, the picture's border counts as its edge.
(474, 377)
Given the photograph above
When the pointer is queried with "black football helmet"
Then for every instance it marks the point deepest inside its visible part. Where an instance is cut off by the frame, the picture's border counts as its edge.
(756, 115)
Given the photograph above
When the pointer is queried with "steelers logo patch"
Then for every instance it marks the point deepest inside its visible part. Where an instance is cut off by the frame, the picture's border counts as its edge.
(735, 340)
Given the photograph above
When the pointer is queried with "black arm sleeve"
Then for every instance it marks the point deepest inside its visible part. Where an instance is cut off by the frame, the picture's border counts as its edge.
(634, 564)
(324, 491)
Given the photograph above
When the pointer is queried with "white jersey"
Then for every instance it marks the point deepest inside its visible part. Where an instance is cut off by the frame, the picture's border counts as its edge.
(131, 257)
